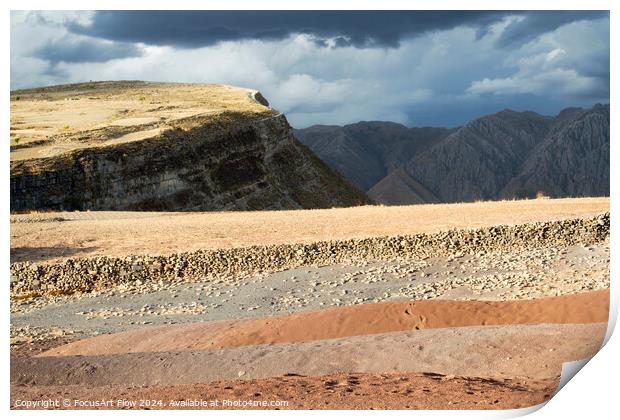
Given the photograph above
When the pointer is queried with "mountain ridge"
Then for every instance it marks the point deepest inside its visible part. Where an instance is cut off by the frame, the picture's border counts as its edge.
(509, 154)
(365, 163)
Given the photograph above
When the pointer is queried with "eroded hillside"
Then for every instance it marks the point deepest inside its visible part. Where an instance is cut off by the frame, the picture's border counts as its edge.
(155, 146)
(501, 156)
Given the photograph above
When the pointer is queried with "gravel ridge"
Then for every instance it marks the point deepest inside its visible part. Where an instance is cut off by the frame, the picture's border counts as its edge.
(99, 273)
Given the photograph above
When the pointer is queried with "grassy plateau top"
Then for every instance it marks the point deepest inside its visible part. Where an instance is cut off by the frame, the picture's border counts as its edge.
(50, 121)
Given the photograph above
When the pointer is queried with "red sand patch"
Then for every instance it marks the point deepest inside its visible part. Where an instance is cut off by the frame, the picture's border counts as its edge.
(347, 321)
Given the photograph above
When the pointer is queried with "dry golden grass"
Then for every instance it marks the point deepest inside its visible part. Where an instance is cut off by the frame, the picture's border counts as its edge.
(55, 236)
(49, 121)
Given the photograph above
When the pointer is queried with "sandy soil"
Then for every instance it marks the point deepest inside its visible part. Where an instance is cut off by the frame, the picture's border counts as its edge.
(346, 321)
(339, 391)
(496, 353)
(494, 276)
(57, 236)
(534, 351)
(32, 348)
(50, 121)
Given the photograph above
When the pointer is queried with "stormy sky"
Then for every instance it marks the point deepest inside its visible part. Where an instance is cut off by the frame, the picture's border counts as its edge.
(419, 68)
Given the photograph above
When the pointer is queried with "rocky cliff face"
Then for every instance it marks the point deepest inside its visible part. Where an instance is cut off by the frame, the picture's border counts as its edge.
(478, 160)
(366, 152)
(505, 155)
(236, 160)
(572, 161)
(518, 155)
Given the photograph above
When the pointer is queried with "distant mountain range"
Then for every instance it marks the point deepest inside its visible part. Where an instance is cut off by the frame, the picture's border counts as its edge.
(505, 155)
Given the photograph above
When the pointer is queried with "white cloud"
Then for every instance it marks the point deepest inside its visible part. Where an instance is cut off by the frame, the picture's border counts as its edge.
(568, 63)
(553, 81)
(554, 53)
(441, 76)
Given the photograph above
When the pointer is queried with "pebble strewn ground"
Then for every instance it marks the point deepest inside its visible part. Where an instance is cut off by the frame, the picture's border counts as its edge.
(498, 275)
(159, 272)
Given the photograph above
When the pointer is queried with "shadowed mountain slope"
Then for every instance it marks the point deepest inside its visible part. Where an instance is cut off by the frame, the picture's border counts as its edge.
(505, 155)
(366, 152)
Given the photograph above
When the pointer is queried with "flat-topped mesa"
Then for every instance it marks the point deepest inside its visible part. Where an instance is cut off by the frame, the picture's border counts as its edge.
(162, 146)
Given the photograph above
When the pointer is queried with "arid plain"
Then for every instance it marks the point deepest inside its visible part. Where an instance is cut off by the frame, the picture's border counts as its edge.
(426, 306)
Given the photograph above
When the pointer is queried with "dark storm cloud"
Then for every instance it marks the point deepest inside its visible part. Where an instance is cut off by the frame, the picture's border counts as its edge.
(203, 28)
(538, 23)
(427, 68)
(190, 29)
(70, 50)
